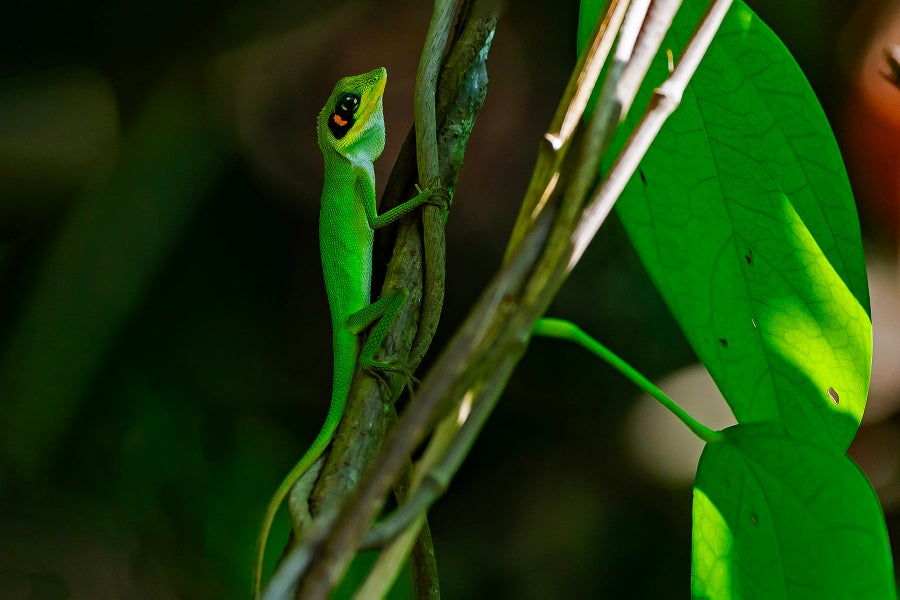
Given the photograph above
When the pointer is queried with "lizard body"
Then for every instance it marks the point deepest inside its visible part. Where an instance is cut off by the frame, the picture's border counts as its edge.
(351, 136)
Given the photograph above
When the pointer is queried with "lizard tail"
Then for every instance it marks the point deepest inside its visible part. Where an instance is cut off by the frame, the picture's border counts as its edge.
(318, 446)
(315, 450)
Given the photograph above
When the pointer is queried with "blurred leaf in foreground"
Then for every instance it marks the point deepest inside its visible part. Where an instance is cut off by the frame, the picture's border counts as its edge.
(98, 268)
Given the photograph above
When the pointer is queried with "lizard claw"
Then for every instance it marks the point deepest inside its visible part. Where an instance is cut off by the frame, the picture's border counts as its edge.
(438, 195)
(378, 369)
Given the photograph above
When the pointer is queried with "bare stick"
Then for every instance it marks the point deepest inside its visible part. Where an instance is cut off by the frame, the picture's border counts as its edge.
(665, 100)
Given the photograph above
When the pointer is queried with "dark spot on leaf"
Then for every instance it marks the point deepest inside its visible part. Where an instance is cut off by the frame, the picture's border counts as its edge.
(724, 342)
(834, 395)
(749, 257)
(754, 518)
(643, 177)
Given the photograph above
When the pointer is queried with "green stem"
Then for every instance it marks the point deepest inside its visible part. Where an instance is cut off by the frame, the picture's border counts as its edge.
(566, 330)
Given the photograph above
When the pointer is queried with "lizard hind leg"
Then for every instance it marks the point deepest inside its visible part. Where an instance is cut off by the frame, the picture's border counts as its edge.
(378, 317)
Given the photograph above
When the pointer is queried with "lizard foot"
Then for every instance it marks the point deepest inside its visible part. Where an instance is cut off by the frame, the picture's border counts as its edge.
(438, 195)
(377, 370)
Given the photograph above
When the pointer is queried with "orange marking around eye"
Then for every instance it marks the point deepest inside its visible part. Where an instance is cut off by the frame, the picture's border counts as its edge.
(337, 119)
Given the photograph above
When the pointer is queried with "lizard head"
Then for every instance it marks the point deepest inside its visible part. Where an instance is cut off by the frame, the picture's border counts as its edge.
(352, 121)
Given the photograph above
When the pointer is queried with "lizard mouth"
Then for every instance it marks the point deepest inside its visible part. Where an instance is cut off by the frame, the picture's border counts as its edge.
(378, 79)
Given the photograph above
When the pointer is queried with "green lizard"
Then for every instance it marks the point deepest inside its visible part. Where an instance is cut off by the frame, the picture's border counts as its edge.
(351, 136)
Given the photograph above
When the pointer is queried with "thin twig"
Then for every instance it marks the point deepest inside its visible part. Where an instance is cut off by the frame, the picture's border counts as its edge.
(665, 100)
(462, 88)
(428, 160)
(656, 24)
(426, 85)
(555, 145)
(587, 72)
(581, 173)
(426, 582)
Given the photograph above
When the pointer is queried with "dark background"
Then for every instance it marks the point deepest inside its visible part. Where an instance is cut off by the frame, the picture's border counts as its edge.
(164, 337)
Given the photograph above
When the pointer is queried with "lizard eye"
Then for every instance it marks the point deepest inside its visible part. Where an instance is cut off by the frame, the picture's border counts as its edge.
(342, 118)
(348, 103)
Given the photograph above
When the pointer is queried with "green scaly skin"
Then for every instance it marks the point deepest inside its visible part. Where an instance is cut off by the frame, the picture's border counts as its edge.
(348, 216)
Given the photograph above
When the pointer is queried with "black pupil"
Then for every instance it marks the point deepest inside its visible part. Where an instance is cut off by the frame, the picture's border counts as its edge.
(342, 119)
(347, 105)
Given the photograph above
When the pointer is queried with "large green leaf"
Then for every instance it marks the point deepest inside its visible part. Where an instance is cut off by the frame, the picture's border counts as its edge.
(778, 517)
(742, 213)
